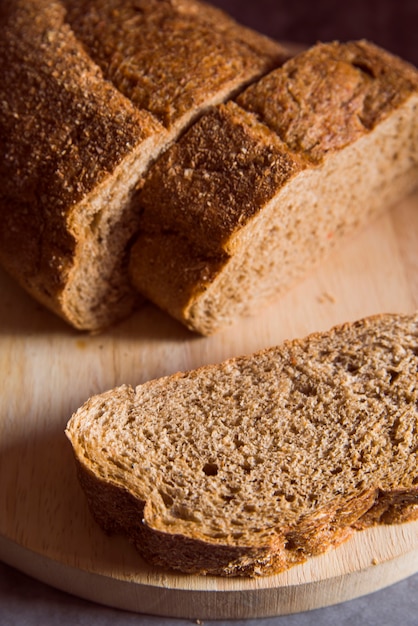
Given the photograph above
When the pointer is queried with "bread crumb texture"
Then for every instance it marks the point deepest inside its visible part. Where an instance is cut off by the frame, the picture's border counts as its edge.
(253, 465)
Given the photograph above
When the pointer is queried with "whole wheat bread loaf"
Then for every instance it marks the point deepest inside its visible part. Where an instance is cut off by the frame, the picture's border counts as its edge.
(256, 464)
(91, 94)
(260, 188)
(91, 91)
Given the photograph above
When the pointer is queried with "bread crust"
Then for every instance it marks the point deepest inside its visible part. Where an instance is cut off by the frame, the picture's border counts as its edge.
(117, 511)
(356, 86)
(170, 57)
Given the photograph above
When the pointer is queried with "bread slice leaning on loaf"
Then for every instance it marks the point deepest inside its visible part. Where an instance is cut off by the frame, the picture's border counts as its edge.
(261, 188)
(253, 465)
(91, 92)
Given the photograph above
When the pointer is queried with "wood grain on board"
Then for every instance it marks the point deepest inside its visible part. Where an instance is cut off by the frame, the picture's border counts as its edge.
(48, 370)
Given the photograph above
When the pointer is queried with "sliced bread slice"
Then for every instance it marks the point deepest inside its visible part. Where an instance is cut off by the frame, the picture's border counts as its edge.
(260, 189)
(253, 465)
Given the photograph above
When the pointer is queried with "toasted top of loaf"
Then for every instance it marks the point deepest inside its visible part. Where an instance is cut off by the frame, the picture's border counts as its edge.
(330, 96)
(270, 454)
(171, 57)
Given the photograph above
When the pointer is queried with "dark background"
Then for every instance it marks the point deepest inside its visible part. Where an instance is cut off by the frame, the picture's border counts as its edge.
(392, 24)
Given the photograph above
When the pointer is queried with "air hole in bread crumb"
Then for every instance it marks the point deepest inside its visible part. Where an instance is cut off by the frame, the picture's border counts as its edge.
(210, 469)
(393, 375)
(168, 500)
(238, 443)
(346, 363)
(278, 494)
(307, 389)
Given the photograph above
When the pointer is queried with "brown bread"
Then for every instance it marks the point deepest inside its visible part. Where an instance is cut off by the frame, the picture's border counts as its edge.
(256, 464)
(85, 108)
(253, 195)
(260, 189)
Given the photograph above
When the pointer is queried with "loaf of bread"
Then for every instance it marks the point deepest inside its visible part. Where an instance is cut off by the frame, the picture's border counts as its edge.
(256, 464)
(278, 162)
(91, 91)
(260, 188)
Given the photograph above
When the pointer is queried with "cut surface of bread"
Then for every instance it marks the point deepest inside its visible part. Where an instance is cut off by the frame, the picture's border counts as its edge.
(82, 117)
(258, 463)
(259, 189)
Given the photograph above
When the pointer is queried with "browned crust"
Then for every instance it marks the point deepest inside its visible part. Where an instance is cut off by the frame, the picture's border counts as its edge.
(116, 510)
(154, 264)
(64, 130)
(356, 86)
(170, 56)
(216, 177)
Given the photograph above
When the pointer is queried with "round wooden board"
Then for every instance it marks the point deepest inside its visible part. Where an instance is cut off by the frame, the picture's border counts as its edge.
(48, 370)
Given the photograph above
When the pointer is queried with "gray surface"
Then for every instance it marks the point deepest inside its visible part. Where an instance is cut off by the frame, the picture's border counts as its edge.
(27, 602)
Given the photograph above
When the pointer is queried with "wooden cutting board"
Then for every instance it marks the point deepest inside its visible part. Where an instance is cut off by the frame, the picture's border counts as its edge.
(48, 370)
